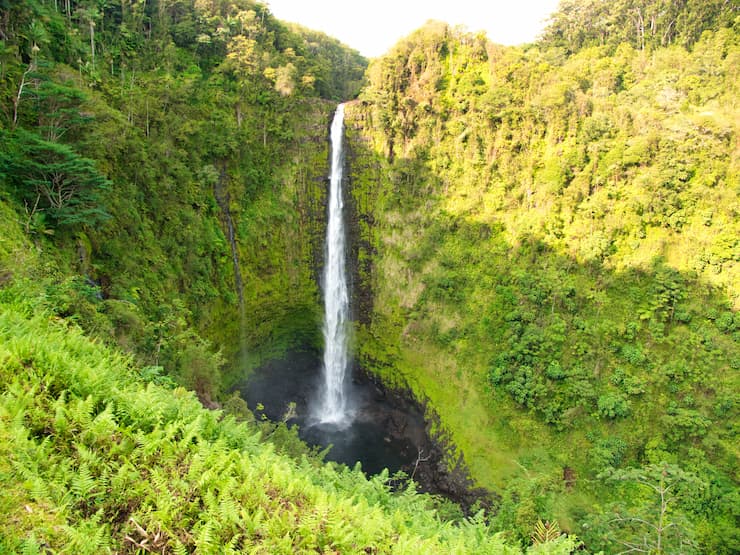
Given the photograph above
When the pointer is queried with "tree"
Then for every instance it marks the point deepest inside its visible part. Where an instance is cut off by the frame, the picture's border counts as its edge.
(653, 524)
(88, 16)
(644, 24)
(53, 177)
(56, 107)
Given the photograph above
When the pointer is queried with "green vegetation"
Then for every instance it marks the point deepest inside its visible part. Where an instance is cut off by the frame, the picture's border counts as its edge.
(546, 241)
(644, 25)
(95, 459)
(550, 235)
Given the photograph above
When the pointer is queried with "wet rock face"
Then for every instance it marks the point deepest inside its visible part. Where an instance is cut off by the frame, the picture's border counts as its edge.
(428, 467)
(453, 484)
(388, 431)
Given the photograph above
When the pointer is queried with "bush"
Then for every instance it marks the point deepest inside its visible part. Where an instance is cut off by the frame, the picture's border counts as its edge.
(613, 405)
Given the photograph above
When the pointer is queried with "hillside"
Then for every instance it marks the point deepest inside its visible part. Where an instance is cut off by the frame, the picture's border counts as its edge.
(95, 460)
(549, 246)
(169, 163)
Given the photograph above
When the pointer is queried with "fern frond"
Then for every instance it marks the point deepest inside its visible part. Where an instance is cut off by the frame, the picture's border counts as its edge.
(545, 532)
(30, 546)
(83, 483)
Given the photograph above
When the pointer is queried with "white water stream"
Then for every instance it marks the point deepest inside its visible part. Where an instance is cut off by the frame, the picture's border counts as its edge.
(332, 407)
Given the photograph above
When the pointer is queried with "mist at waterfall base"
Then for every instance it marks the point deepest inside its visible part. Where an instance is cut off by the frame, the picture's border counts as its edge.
(380, 435)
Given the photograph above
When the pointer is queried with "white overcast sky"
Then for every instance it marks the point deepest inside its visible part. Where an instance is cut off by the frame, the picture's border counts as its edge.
(373, 26)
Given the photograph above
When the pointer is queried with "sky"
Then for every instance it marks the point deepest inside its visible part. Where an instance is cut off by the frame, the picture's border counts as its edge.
(373, 26)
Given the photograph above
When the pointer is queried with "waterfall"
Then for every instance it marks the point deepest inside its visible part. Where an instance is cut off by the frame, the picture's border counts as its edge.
(333, 404)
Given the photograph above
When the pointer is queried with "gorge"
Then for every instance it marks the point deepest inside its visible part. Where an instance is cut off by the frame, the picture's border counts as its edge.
(335, 404)
(541, 282)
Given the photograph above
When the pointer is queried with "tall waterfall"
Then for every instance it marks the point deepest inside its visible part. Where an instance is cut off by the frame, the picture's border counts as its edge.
(333, 404)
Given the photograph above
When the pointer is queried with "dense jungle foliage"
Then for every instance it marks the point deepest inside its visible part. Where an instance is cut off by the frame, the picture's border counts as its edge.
(168, 159)
(551, 238)
(546, 244)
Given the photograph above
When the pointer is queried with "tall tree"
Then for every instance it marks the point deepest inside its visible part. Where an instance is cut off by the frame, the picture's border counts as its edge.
(53, 178)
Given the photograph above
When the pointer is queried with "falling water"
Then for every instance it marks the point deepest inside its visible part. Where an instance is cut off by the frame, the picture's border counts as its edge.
(333, 405)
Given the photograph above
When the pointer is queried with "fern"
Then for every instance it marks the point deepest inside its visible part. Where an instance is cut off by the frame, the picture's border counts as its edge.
(102, 427)
(80, 412)
(163, 470)
(31, 546)
(39, 489)
(61, 421)
(206, 539)
(83, 482)
(228, 510)
(87, 537)
(545, 532)
(179, 548)
(88, 456)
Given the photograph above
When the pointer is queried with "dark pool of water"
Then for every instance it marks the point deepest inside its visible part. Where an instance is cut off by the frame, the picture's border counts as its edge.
(381, 435)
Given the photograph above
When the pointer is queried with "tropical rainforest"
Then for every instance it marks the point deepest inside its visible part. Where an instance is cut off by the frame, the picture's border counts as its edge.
(545, 246)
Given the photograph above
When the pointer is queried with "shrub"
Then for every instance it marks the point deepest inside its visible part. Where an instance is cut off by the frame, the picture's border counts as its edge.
(613, 405)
